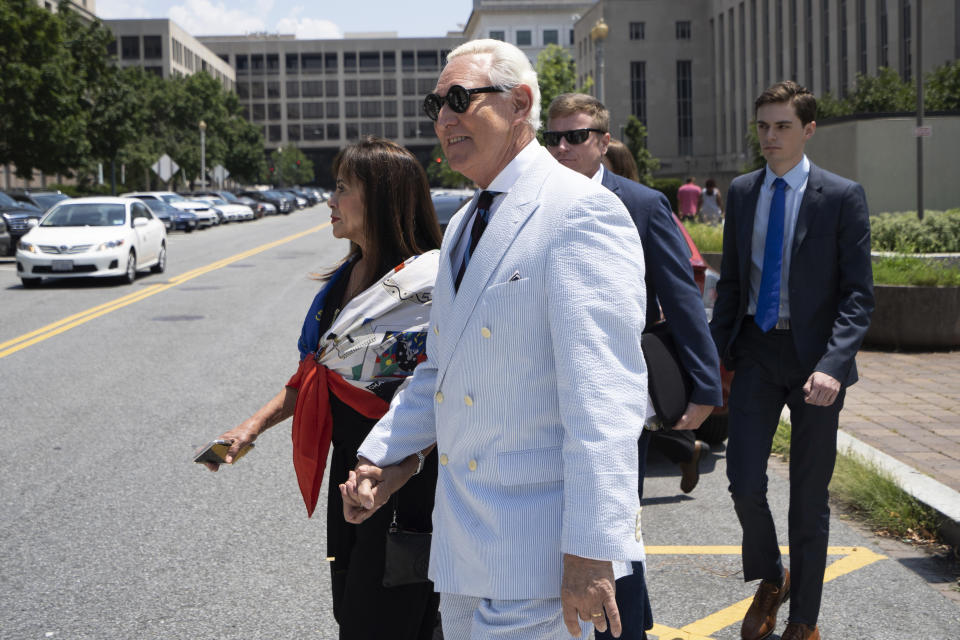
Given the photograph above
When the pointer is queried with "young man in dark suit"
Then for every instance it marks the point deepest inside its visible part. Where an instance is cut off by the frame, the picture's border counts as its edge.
(577, 136)
(794, 302)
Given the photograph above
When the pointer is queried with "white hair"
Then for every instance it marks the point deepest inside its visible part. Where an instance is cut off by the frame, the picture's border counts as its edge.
(509, 68)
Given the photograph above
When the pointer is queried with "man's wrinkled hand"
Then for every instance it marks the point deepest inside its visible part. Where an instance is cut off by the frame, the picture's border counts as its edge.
(693, 416)
(588, 592)
(821, 389)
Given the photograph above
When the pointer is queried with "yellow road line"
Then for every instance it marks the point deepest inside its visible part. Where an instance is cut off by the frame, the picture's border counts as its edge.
(853, 558)
(65, 324)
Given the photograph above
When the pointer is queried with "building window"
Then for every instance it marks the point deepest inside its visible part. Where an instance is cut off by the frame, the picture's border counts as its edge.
(330, 64)
(273, 63)
(409, 129)
(352, 131)
(311, 88)
(753, 43)
(276, 133)
(571, 37)
(332, 88)
(293, 111)
(369, 62)
(312, 110)
(425, 86)
(906, 40)
(808, 42)
(794, 56)
(293, 89)
(637, 30)
(495, 35)
(350, 88)
(390, 87)
(426, 129)
(883, 44)
(843, 49)
(390, 130)
(524, 37)
(333, 131)
(638, 90)
(390, 108)
(428, 61)
(370, 88)
(350, 109)
(259, 112)
(371, 109)
(112, 48)
(350, 62)
(243, 90)
(157, 71)
(765, 28)
(862, 36)
(389, 61)
(256, 90)
(313, 132)
(683, 29)
(333, 109)
(778, 16)
(293, 63)
(410, 87)
(293, 132)
(273, 89)
(684, 107)
(129, 47)
(411, 108)
(551, 36)
(825, 44)
(311, 62)
(273, 111)
(152, 47)
(408, 62)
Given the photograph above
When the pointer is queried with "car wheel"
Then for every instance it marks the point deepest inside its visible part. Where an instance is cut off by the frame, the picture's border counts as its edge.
(161, 265)
(30, 283)
(131, 273)
(713, 431)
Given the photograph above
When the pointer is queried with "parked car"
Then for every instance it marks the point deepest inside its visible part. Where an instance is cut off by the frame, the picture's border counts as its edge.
(206, 216)
(41, 199)
(299, 201)
(5, 242)
(447, 202)
(99, 237)
(17, 217)
(179, 219)
(283, 203)
(230, 212)
(232, 199)
(311, 198)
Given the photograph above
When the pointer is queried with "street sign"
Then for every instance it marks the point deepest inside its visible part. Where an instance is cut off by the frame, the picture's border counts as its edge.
(923, 132)
(165, 167)
(220, 173)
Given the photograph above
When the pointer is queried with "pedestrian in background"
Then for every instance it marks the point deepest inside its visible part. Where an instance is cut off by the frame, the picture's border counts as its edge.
(578, 137)
(620, 160)
(378, 297)
(793, 305)
(688, 199)
(711, 205)
(535, 386)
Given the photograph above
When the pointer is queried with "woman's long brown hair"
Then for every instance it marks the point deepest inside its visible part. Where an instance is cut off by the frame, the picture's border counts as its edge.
(399, 220)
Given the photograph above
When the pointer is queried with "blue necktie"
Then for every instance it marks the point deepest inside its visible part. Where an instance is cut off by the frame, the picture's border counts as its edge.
(768, 298)
(484, 202)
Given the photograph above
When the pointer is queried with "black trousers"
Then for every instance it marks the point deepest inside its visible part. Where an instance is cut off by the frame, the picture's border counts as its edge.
(676, 445)
(768, 376)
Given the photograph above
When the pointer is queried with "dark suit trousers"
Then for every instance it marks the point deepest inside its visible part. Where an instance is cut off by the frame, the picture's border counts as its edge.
(633, 602)
(768, 376)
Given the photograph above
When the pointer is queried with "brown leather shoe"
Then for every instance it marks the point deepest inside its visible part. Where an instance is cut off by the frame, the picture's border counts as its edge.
(800, 631)
(761, 617)
(691, 470)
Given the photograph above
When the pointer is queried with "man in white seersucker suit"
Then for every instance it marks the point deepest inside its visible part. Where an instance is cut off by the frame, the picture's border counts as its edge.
(535, 387)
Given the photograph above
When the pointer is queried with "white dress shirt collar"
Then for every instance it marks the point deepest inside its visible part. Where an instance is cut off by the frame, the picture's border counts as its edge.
(794, 178)
(515, 168)
(598, 176)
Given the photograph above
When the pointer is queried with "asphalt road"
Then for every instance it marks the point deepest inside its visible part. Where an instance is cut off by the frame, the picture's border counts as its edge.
(109, 531)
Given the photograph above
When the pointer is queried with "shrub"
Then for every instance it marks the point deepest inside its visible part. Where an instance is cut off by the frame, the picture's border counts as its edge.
(668, 187)
(914, 271)
(938, 232)
(707, 237)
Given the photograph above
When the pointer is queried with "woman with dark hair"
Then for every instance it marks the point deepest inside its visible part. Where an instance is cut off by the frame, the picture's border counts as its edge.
(361, 339)
(619, 160)
(711, 206)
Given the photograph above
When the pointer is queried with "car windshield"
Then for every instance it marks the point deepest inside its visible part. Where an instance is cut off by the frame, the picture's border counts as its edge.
(215, 201)
(7, 201)
(86, 214)
(172, 197)
(229, 197)
(49, 199)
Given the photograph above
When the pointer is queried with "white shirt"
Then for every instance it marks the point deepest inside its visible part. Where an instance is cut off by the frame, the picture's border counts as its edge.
(796, 179)
(598, 176)
(502, 183)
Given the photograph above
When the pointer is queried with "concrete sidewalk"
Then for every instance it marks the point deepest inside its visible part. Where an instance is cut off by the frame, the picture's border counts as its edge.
(904, 415)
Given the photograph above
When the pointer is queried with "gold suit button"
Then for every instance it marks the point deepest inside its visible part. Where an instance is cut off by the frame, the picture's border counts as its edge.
(439, 396)
(444, 459)
(436, 331)
(472, 465)
(467, 400)
(485, 332)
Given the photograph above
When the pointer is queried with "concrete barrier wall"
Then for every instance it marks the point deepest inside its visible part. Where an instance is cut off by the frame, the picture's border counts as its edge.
(881, 154)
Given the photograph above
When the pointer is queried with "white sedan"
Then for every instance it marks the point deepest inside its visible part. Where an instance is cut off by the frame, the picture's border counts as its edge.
(98, 237)
(231, 212)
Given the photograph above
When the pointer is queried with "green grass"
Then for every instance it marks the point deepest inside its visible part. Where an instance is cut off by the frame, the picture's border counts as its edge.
(906, 270)
(871, 495)
(707, 237)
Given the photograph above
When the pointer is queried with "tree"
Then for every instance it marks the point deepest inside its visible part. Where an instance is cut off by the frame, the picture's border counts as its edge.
(884, 92)
(291, 166)
(943, 88)
(636, 140)
(440, 173)
(556, 74)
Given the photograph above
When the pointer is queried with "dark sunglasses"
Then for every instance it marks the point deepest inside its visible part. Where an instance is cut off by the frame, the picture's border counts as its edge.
(574, 136)
(457, 98)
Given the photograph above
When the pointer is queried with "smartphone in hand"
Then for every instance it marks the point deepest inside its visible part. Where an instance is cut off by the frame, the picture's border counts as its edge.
(216, 450)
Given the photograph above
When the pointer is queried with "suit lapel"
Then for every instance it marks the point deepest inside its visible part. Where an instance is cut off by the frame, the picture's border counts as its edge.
(745, 222)
(447, 273)
(519, 203)
(810, 204)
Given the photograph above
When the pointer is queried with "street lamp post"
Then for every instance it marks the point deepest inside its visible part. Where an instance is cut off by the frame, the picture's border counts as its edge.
(598, 34)
(203, 155)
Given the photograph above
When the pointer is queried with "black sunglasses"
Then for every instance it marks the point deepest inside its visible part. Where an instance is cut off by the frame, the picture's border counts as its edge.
(457, 97)
(574, 136)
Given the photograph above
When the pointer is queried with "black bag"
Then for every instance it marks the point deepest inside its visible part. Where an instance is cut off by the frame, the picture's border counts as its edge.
(668, 383)
(407, 555)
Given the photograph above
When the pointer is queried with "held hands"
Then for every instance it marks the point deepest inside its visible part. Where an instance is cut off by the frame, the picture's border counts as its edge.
(588, 592)
(821, 389)
(368, 488)
(693, 417)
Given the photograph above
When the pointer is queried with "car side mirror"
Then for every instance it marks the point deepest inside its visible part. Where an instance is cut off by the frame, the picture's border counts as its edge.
(140, 222)
(32, 222)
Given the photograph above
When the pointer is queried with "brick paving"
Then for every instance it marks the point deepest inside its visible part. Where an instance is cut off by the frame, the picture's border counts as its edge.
(907, 405)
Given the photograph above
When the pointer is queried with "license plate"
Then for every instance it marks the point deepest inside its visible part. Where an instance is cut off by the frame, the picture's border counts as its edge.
(62, 265)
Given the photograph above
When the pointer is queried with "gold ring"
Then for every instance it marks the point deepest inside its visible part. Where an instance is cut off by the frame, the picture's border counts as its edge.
(596, 615)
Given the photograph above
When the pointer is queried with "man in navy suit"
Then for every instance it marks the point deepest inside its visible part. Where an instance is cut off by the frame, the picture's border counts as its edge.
(577, 136)
(794, 302)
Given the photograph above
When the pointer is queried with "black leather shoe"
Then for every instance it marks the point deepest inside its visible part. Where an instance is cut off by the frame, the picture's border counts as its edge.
(690, 471)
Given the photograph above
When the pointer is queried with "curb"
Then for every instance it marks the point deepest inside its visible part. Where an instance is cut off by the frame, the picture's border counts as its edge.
(939, 497)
